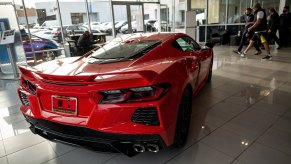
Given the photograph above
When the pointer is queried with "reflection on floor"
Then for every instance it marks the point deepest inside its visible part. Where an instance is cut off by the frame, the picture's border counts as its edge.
(243, 116)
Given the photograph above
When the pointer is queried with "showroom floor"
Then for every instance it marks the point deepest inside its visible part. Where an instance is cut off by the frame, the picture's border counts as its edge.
(243, 116)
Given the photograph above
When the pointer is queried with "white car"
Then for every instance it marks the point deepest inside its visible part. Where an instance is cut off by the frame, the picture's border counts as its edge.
(124, 29)
(100, 26)
(119, 24)
(106, 27)
(94, 25)
(46, 34)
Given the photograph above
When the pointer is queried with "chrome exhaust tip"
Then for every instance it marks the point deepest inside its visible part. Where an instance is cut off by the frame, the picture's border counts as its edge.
(138, 148)
(153, 148)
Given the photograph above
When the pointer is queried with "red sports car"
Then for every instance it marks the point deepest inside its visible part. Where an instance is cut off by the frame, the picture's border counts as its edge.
(131, 95)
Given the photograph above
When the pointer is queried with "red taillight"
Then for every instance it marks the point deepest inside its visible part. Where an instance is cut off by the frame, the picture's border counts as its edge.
(56, 32)
(134, 94)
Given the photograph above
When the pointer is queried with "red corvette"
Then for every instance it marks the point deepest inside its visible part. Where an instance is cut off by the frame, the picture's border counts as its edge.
(131, 95)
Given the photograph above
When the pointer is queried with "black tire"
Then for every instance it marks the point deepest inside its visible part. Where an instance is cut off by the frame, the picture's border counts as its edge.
(48, 55)
(183, 120)
(209, 77)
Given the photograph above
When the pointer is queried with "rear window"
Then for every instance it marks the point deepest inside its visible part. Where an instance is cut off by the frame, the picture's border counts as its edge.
(124, 50)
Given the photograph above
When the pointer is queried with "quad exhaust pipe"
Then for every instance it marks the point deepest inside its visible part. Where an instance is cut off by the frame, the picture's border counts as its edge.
(153, 148)
(140, 148)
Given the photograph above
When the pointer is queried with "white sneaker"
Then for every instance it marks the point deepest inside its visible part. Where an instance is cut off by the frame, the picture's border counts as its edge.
(242, 54)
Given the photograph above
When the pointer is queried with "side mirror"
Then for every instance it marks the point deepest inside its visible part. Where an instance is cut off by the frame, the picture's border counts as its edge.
(209, 44)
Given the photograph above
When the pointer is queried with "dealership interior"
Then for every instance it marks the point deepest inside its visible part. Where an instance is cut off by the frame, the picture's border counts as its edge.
(243, 116)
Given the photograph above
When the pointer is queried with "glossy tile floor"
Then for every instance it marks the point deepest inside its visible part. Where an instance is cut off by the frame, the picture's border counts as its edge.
(243, 116)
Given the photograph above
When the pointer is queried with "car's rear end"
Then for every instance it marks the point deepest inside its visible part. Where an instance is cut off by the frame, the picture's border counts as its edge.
(104, 106)
(122, 114)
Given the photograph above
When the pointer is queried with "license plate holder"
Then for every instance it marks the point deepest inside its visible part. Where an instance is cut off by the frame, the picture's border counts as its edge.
(64, 105)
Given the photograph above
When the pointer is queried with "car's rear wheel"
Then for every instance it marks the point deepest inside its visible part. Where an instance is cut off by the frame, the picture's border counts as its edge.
(183, 120)
(48, 55)
(209, 77)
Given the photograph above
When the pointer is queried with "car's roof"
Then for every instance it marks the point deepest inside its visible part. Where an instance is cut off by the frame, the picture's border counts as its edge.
(162, 36)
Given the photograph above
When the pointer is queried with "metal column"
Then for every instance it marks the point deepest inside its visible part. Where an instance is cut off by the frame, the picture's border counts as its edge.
(142, 15)
(206, 13)
(129, 19)
(88, 16)
(173, 16)
(29, 35)
(113, 19)
(61, 22)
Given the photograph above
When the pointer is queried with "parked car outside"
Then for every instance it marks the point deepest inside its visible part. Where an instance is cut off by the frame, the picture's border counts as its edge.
(78, 29)
(57, 33)
(148, 25)
(94, 25)
(45, 34)
(119, 25)
(124, 29)
(40, 44)
(107, 28)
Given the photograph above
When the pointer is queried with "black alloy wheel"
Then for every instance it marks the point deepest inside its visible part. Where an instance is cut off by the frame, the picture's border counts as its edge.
(183, 120)
(48, 55)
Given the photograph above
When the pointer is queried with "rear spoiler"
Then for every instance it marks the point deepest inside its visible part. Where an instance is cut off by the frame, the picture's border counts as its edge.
(31, 72)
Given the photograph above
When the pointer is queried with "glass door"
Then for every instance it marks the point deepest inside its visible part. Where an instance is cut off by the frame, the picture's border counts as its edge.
(164, 18)
(137, 19)
(120, 19)
(128, 17)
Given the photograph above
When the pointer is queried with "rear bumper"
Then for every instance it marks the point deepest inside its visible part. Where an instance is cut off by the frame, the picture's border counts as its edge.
(100, 141)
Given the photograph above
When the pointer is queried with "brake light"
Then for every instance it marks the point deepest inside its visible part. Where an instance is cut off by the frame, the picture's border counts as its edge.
(56, 32)
(138, 94)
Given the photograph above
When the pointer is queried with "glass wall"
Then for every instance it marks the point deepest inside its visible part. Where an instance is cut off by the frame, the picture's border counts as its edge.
(268, 4)
(221, 14)
(216, 11)
(11, 49)
(225, 16)
(49, 30)
(236, 9)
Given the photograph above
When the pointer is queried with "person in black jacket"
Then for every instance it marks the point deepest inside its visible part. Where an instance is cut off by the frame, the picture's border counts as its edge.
(85, 42)
(273, 26)
(285, 24)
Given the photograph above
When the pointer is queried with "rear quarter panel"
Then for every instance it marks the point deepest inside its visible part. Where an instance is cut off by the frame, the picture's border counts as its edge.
(177, 74)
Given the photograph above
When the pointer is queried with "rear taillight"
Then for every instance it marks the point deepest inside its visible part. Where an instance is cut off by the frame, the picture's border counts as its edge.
(138, 94)
(56, 32)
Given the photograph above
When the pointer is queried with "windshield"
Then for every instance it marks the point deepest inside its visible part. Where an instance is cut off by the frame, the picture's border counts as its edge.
(124, 50)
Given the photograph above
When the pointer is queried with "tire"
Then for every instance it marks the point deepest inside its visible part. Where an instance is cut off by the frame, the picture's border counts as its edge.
(183, 120)
(49, 55)
(209, 77)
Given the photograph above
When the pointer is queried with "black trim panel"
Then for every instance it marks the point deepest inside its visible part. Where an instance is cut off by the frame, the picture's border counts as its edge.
(89, 138)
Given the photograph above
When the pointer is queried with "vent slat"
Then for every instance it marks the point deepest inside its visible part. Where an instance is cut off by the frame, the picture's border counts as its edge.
(146, 116)
(24, 99)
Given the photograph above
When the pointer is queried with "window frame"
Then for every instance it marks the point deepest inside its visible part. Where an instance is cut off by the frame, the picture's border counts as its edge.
(191, 43)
